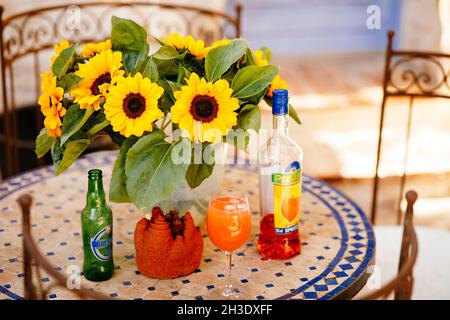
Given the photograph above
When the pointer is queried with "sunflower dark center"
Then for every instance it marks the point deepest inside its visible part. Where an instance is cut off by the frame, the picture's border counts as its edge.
(133, 105)
(204, 108)
(104, 78)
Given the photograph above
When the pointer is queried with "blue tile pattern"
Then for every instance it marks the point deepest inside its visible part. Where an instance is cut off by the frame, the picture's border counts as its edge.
(352, 244)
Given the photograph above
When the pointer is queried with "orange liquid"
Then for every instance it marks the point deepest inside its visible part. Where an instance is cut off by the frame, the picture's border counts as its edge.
(290, 208)
(277, 246)
(229, 222)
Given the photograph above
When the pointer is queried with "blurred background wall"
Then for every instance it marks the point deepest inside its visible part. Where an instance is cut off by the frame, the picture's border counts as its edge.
(333, 63)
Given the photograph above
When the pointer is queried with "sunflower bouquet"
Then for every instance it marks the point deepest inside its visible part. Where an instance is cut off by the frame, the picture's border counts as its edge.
(118, 89)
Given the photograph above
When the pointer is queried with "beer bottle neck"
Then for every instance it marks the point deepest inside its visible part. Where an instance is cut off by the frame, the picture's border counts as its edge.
(95, 194)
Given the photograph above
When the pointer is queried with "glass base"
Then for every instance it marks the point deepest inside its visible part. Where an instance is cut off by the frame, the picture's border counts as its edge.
(232, 293)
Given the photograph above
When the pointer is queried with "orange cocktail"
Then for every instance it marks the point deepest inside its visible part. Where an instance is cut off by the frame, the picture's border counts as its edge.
(229, 222)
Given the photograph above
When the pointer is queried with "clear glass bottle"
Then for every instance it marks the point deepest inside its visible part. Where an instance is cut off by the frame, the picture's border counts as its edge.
(280, 177)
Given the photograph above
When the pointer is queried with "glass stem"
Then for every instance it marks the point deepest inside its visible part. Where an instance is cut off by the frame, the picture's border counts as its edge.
(228, 286)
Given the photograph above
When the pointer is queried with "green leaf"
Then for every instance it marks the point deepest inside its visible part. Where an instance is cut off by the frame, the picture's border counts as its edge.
(187, 74)
(197, 173)
(161, 43)
(64, 61)
(293, 114)
(167, 68)
(132, 60)
(72, 152)
(181, 74)
(247, 107)
(149, 69)
(250, 60)
(136, 155)
(251, 80)
(95, 124)
(98, 127)
(151, 173)
(220, 59)
(168, 53)
(168, 100)
(128, 35)
(256, 99)
(96, 118)
(68, 81)
(118, 188)
(131, 39)
(57, 153)
(44, 143)
(171, 87)
(74, 120)
(249, 118)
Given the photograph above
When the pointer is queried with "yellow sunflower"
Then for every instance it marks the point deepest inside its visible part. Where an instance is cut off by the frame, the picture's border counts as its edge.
(91, 49)
(64, 44)
(52, 121)
(219, 43)
(194, 47)
(97, 76)
(205, 108)
(51, 104)
(277, 83)
(260, 60)
(132, 105)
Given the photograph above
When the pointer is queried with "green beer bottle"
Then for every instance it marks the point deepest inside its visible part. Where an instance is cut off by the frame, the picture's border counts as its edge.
(96, 225)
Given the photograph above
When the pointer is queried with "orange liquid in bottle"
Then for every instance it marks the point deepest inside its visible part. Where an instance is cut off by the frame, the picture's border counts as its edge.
(228, 222)
(276, 246)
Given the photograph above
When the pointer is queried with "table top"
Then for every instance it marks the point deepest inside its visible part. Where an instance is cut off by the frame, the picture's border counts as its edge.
(338, 243)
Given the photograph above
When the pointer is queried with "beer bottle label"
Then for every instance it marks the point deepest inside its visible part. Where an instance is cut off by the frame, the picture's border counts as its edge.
(286, 198)
(101, 244)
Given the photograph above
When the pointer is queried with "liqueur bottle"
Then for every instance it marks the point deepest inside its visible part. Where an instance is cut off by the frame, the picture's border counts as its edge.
(280, 179)
(96, 225)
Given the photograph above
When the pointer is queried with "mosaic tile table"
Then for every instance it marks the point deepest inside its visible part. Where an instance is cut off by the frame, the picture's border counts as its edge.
(338, 242)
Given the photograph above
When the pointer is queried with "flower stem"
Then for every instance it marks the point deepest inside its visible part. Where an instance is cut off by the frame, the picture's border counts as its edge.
(165, 126)
(163, 123)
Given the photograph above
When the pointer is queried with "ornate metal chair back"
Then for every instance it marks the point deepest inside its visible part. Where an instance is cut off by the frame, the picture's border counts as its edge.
(414, 75)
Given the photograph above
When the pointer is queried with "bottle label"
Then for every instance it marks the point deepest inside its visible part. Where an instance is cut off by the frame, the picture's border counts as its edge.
(286, 198)
(101, 244)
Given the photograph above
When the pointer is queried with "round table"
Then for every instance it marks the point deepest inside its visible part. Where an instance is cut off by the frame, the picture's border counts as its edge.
(337, 241)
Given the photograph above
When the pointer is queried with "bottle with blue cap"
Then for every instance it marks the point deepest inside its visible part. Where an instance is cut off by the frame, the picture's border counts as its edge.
(280, 179)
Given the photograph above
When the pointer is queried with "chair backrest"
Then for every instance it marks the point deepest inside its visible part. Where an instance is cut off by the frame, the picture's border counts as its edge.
(411, 74)
(27, 38)
(402, 284)
(32, 257)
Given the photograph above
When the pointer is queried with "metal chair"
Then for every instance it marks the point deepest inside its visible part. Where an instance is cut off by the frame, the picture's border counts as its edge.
(402, 284)
(30, 34)
(33, 257)
(403, 78)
